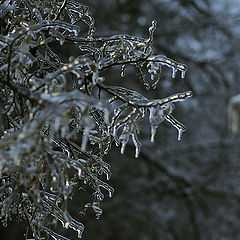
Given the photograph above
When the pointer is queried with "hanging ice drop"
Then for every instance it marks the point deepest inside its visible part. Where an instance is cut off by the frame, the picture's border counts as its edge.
(137, 151)
(183, 74)
(174, 70)
(180, 131)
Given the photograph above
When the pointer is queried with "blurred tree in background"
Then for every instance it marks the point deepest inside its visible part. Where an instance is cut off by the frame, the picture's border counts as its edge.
(174, 190)
(186, 190)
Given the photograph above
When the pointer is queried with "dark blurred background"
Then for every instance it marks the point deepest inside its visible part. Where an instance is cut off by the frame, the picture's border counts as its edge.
(175, 190)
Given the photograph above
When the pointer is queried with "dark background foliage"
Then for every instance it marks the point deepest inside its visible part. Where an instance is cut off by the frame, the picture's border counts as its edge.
(175, 190)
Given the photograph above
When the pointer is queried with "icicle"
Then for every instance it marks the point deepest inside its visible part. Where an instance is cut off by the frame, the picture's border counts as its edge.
(179, 126)
(110, 193)
(137, 151)
(152, 112)
(124, 137)
(108, 175)
(153, 132)
(123, 70)
(79, 231)
(85, 138)
(174, 70)
(183, 74)
(57, 123)
(123, 147)
(180, 131)
(137, 144)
